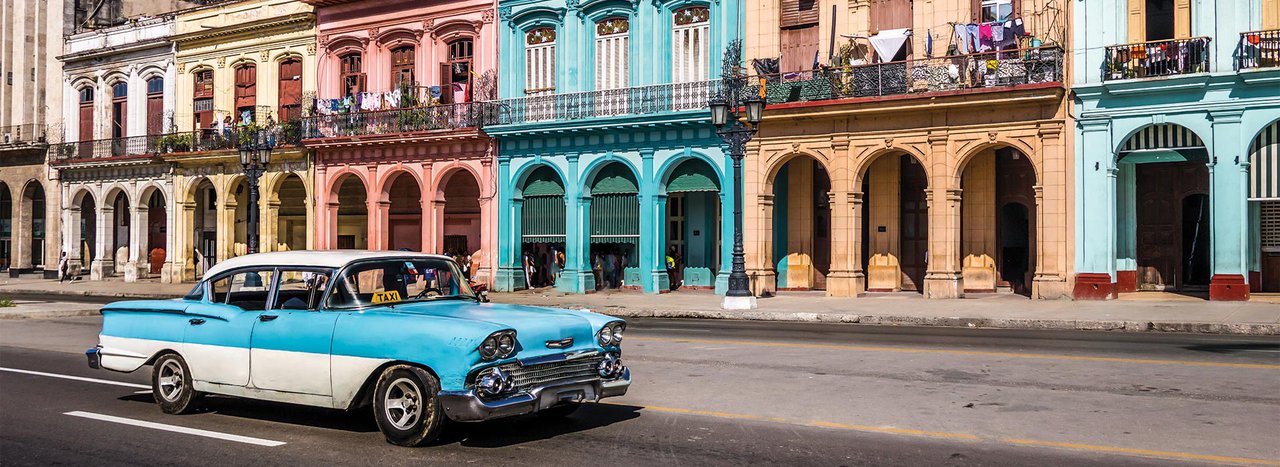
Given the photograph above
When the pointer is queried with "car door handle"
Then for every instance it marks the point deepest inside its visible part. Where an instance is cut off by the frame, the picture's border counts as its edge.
(265, 318)
(196, 321)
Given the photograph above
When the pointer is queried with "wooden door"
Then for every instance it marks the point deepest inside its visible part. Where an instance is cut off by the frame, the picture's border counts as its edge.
(914, 228)
(290, 86)
(799, 47)
(1161, 233)
(890, 14)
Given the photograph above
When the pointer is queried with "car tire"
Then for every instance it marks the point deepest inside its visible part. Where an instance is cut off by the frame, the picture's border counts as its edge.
(560, 411)
(171, 385)
(407, 407)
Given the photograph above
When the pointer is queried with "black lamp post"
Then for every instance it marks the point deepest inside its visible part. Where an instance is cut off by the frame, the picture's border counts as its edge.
(255, 153)
(736, 133)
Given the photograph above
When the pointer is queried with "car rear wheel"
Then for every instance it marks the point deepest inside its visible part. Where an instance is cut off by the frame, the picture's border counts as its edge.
(406, 406)
(171, 385)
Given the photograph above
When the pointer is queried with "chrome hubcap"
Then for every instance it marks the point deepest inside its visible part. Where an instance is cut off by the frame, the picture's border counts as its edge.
(401, 404)
(170, 380)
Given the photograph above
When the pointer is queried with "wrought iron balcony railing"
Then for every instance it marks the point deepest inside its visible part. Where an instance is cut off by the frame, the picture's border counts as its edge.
(22, 134)
(1157, 58)
(640, 100)
(406, 120)
(919, 76)
(1259, 49)
(288, 134)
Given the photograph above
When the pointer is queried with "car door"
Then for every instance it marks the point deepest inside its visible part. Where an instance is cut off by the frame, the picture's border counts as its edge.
(291, 341)
(215, 343)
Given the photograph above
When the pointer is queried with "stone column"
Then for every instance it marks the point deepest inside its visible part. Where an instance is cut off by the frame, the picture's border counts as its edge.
(577, 276)
(653, 219)
(845, 279)
(1052, 227)
(942, 274)
(137, 267)
(1095, 212)
(71, 236)
(184, 257)
(1229, 215)
(103, 264)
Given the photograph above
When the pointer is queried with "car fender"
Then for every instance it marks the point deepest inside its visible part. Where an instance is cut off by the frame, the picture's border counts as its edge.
(135, 332)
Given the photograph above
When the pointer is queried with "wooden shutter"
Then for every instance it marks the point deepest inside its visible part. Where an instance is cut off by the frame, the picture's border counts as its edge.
(446, 83)
(86, 121)
(1137, 21)
(246, 86)
(799, 13)
(1181, 19)
(891, 14)
(155, 114)
(798, 48)
(1270, 14)
(290, 89)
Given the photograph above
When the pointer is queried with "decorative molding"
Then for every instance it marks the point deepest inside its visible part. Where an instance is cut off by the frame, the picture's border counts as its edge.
(311, 49)
(373, 32)
(486, 16)
(504, 13)
(222, 62)
(182, 68)
(265, 56)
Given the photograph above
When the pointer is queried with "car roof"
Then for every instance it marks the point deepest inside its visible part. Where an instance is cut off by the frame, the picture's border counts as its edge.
(311, 258)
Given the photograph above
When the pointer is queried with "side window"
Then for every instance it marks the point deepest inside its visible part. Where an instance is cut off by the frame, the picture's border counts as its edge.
(301, 290)
(247, 290)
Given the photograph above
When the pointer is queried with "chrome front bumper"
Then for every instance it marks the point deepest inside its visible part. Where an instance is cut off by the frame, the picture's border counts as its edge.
(466, 406)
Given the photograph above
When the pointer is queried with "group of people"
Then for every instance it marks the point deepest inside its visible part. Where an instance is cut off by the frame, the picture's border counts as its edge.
(609, 263)
(542, 265)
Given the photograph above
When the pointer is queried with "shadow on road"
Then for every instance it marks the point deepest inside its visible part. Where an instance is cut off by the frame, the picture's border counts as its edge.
(1232, 348)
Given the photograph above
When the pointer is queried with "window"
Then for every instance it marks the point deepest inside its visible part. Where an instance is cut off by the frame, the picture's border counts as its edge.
(155, 85)
(202, 105)
(155, 105)
(455, 74)
(290, 90)
(247, 290)
(86, 95)
(540, 61)
(402, 66)
(1160, 20)
(301, 289)
(611, 53)
(996, 10)
(246, 93)
(119, 109)
(797, 13)
(690, 28)
(352, 70)
(86, 115)
(392, 281)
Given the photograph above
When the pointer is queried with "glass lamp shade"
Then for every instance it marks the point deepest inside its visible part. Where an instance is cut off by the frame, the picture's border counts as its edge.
(719, 112)
(755, 109)
(264, 155)
(246, 154)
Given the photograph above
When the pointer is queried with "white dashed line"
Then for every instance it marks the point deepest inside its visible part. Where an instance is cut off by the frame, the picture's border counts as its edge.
(76, 378)
(177, 429)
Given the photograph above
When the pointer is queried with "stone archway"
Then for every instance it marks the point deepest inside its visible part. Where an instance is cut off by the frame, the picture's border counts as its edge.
(6, 227)
(997, 221)
(613, 228)
(895, 223)
(290, 217)
(403, 219)
(692, 225)
(205, 227)
(155, 241)
(32, 212)
(540, 209)
(460, 223)
(348, 204)
(801, 224)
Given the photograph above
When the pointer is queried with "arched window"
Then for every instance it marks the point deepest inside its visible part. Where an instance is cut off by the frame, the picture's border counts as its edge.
(86, 113)
(611, 53)
(155, 105)
(119, 109)
(540, 61)
(691, 34)
(246, 93)
(352, 72)
(202, 99)
(402, 66)
(455, 74)
(290, 90)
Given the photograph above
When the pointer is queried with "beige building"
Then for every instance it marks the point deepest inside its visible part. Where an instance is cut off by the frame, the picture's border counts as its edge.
(914, 158)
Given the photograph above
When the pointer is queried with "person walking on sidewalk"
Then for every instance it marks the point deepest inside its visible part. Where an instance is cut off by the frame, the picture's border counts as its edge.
(64, 267)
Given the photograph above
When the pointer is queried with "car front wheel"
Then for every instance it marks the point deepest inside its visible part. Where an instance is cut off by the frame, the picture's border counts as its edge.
(406, 407)
(171, 385)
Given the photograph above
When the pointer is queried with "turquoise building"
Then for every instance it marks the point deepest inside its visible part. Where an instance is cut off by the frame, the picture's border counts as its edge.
(1176, 147)
(607, 161)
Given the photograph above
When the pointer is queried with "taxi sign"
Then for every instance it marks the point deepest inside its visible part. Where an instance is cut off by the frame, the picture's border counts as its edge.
(384, 297)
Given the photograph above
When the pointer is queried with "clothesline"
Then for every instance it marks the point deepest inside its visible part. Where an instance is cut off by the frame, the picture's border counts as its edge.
(390, 100)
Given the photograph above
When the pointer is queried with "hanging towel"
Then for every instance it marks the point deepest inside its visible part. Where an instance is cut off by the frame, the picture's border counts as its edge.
(1018, 29)
(962, 33)
(974, 35)
(984, 38)
(889, 42)
(928, 43)
(997, 33)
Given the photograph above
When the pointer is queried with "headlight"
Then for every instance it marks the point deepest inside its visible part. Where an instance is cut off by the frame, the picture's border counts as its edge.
(493, 381)
(501, 344)
(617, 332)
(606, 336)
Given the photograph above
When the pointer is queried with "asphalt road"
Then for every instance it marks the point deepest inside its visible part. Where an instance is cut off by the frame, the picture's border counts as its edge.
(724, 393)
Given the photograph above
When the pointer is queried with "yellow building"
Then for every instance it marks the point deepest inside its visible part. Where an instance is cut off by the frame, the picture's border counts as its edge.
(241, 66)
(903, 150)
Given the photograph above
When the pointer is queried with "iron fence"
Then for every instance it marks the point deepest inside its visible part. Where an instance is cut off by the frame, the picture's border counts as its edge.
(1156, 58)
(1259, 49)
(285, 134)
(26, 134)
(640, 100)
(919, 76)
(406, 120)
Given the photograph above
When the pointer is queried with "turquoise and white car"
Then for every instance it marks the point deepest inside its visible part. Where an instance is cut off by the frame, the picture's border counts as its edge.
(403, 332)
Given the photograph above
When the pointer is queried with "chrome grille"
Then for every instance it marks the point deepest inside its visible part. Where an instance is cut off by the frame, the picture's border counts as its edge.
(527, 377)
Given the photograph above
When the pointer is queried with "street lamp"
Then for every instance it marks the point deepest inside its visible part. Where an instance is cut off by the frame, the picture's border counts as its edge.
(255, 153)
(736, 133)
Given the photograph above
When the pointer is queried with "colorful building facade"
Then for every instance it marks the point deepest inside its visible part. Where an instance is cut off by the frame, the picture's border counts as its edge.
(916, 150)
(240, 66)
(401, 162)
(607, 162)
(1176, 162)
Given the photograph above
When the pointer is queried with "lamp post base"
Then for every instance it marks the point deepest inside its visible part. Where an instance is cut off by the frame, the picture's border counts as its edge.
(739, 303)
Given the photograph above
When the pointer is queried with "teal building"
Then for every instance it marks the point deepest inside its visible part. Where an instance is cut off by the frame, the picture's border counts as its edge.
(1176, 107)
(610, 173)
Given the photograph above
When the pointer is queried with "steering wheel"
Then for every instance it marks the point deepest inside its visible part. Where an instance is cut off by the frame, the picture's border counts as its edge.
(426, 291)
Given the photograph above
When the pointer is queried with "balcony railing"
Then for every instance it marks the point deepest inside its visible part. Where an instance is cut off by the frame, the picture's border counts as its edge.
(22, 134)
(406, 120)
(607, 103)
(1158, 58)
(918, 77)
(1259, 49)
(288, 134)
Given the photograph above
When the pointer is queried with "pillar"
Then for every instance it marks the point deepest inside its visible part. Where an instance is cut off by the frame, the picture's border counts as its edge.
(1050, 280)
(653, 220)
(103, 264)
(577, 276)
(1095, 212)
(1229, 214)
(509, 276)
(942, 276)
(136, 267)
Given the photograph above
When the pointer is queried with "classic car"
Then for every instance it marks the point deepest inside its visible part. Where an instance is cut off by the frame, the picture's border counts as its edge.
(403, 332)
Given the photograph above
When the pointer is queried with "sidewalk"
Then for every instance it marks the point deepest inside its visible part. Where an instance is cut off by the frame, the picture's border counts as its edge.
(1132, 312)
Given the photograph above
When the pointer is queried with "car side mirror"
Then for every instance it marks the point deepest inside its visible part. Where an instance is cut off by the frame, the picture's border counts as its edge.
(484, 296)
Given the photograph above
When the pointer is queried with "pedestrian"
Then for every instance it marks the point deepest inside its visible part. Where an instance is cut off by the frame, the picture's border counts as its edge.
(610, 270)
(528, 271)
(671, 268)
(64, 266)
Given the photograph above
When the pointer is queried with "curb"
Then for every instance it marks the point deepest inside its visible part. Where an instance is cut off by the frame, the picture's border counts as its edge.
(49, 314)
(1247, 329)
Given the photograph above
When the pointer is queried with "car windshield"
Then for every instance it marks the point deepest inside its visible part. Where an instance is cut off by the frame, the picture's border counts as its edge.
(395, 281)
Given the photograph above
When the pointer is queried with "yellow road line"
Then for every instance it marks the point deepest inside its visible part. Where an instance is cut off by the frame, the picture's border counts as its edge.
(956, 352)
(1175, 455)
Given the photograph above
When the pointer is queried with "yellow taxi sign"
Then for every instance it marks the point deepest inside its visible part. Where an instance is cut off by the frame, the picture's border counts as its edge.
(388, 296)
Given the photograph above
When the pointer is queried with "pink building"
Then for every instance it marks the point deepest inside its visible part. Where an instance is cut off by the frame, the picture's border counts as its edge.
(401, 162)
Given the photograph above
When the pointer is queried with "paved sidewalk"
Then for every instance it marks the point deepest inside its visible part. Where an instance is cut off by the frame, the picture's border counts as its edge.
(1133, 312)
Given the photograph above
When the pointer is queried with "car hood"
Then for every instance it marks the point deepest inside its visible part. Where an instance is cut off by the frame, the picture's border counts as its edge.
(534, 326)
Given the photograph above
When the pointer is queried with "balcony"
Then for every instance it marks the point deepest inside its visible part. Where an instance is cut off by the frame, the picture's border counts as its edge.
(1156, 59)
(641, 100)
(399, 121)
(918, 77)
(288, 134)
(1259, 49)
(30, 133)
